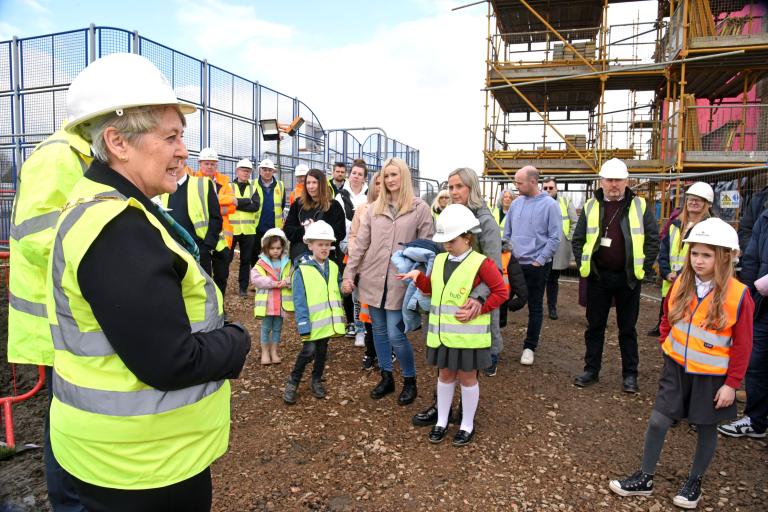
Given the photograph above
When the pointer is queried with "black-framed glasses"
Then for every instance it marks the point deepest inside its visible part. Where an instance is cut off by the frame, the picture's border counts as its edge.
(549, 188)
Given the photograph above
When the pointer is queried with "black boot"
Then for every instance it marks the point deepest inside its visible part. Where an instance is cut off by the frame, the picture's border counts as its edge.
(385, 386)
(408, 395)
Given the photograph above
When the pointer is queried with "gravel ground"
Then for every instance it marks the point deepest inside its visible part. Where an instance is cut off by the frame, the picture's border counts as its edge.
(541, 443)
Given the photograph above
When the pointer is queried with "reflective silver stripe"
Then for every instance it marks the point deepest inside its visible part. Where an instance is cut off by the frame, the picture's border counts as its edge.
(585, 257)
(201, 224)
(591, 231)
(226, 233)
(698, 357)
(639, 261)
(336, 304)
(28, 307)
(130, 403)
(639, 211)
(445, 309)
(34, 225)
(87, 344)
(203, 199)
(239, 222)
(326, 321)
(638, 231)
(459, 329)
(704, 335)
(317, 308)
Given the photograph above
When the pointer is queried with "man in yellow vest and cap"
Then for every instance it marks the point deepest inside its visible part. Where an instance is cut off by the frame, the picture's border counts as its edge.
(45, 180)
(243, 221)
(615, 244)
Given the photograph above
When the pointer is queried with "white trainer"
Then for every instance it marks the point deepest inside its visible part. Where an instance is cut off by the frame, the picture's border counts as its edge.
(740, 428)
(527, 357)
(360, 339)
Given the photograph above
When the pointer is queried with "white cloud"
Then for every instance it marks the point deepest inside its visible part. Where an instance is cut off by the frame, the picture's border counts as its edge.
(420, 79)
(37, 6)
(7, 31)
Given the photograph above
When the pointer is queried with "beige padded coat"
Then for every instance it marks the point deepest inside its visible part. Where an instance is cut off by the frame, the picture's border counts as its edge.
(378, 237)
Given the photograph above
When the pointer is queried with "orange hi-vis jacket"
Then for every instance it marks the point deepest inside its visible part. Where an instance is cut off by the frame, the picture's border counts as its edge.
(694, 347)
(227, 203)
(295, 194)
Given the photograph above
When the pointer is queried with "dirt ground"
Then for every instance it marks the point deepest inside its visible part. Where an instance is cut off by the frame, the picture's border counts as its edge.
(541, 443)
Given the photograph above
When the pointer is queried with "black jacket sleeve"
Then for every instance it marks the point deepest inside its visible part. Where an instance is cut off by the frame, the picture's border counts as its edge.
(519, 294)
(248, 204)
(294, 231)
(579, 238)
(214, 220)
(651, 245)
(751, 259)
(335, 217)
(750, 213)
(665, 266)
(133, 285)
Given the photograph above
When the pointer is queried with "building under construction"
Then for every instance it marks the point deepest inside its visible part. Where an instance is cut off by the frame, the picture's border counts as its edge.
(668, 86)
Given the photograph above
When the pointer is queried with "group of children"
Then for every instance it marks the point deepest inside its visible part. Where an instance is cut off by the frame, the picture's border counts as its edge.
(706, 332)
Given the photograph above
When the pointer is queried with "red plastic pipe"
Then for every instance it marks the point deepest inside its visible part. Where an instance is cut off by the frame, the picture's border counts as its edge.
(8, 401)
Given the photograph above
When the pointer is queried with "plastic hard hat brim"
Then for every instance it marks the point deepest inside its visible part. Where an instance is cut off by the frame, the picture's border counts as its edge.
(184, 108)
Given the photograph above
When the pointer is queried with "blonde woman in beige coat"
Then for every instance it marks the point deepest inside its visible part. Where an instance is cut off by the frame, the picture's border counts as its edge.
(396, 217)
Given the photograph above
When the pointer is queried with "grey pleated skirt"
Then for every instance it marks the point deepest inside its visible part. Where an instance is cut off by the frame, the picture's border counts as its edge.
(687, 396)
(464, 359)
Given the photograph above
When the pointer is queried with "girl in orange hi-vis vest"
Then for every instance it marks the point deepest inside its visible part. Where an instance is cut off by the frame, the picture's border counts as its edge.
(706, 341)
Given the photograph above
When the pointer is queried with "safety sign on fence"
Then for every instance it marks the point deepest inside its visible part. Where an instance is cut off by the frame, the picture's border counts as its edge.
(730, 199)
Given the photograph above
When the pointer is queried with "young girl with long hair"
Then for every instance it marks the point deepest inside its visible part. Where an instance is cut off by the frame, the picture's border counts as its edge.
(706, 335)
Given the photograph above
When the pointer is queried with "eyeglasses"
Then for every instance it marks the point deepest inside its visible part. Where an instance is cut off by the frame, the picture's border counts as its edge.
(549, 188)
(694, 199)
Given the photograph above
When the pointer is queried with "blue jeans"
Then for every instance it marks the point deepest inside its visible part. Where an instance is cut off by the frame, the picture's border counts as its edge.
(62, 492)
(389, 335)
(274, 325)
(757, 375)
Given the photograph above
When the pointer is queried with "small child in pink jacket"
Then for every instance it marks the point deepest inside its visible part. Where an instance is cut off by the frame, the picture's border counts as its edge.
(272, 278)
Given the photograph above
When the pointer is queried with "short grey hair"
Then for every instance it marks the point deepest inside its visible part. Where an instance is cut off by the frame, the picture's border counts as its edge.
(470, 180)
(133, 125)
(501, 196)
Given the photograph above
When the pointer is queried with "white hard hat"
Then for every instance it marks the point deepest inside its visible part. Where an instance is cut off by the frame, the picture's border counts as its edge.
(319, 230)
(614, 169)
(208, 155)
(301, 170)
(245, 162)
(702, 190)
(275, 232)
(714, 231)
(116, 82)
(267, 163)
(456, 219)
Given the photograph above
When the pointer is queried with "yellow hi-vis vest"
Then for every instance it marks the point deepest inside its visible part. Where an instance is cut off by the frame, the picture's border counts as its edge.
(108, 428)
(563, 202)
(497, 217)
(277, 194)
(326, 311)
(197, 204)
(696, 348)
(244, 223)
(677, 253)
(636, 230)
(286, 295)
(447, 298)
(45, 180)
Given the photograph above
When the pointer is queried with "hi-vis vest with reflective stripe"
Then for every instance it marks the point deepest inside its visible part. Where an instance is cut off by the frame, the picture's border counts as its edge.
(677, 253)
(563, 202)
(45, 180)
(636, 230)
(197, 204)
(447, 298)
(243, 223)
(277, 194)
(497, 217)
(326, 311)
(286, 295)
(108, 428)
(696, 348)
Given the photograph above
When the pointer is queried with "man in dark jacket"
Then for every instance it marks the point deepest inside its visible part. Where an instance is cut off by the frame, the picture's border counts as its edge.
(615, 244)
(750, 212)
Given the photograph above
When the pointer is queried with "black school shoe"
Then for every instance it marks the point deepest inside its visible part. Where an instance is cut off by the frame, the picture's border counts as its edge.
(463, 437)
(585, 379)
(639, 484)
(689, 494)
(437, 434)
(629, 384)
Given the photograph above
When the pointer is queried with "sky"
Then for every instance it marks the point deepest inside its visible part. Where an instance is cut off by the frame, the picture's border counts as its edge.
(413, 67)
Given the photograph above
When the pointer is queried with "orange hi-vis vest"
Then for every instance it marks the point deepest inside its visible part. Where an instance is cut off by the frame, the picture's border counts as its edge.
(227, 204)
(694, 347)
(295, 194)
(505, 257)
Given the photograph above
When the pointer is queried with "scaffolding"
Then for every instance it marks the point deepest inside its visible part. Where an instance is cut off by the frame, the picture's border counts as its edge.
(572, 83)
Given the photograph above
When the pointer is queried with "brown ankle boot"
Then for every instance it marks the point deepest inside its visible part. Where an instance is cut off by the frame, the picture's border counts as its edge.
(265, 359)
(273, 353)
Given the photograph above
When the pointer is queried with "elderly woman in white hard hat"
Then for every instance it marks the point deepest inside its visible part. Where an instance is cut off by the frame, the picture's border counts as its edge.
(243, 221)
(698, 202)
(141, 400)
(458, 344)
(706, 343)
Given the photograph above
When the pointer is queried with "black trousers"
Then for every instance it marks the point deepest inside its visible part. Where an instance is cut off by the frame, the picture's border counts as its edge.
(247, 247)
(220, 268)
(311, 350)
(191, 495)
(601, 293)
(536, 279)
(553, 287)
(205, 260)
(370, 348)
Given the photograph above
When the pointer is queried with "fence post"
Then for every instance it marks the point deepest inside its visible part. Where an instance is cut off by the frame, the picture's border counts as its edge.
(91, 43)
(257, 112)
(16, 98)
(136, 42)
(204, 138)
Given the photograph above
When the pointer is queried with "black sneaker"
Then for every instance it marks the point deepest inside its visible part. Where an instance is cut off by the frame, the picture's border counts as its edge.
(689, 494)
(351, 331)
(491, 370)
(639, 484)
(369, 362)
(318, 389)
(289, 394)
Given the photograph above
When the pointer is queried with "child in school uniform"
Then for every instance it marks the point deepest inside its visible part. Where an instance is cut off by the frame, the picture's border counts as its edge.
(706, 336)
(272, 278)
(319, 309)
(458, 343)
